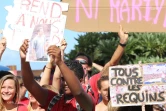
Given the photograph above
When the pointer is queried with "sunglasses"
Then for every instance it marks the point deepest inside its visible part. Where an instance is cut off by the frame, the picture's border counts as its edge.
(22, 84)
(82, 61)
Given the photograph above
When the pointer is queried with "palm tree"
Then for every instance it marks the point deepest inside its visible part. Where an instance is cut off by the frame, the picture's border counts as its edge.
(105, 50)
(101, 46)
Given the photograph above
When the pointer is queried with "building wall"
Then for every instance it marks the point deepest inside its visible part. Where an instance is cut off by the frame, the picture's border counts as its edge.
(35, 72)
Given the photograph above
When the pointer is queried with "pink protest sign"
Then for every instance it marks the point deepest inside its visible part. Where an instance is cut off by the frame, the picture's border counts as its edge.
(106, 15)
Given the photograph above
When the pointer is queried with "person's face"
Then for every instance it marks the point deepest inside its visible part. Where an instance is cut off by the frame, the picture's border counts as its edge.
(8, 90)
(34, 101)
(65, 87)
(22, 91)
(31, 98)
(104, 90)
(41, 31)
(84, 62)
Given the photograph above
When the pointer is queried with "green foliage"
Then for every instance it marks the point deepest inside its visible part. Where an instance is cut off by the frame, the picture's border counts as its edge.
(145, 47)
(149, 60)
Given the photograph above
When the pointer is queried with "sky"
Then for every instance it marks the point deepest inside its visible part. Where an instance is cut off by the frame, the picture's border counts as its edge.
(11, 57)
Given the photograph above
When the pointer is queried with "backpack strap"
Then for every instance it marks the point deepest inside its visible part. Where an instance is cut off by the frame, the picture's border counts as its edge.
(54, 100)
(88, 89)
(78, 107)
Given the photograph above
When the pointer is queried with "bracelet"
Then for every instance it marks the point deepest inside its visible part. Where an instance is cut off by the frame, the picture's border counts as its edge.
(48, 67)
(123, 45)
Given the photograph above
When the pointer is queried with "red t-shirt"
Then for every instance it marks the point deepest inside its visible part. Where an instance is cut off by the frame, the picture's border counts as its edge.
(22, 107)
(93, 84)
(24, 101)
(61, 105)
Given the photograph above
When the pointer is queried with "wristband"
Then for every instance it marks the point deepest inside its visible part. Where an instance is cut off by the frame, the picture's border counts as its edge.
(48, 67)
(123, 45)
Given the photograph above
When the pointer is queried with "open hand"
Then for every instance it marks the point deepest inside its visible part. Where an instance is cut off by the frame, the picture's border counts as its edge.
(63, 45)
(123, 35)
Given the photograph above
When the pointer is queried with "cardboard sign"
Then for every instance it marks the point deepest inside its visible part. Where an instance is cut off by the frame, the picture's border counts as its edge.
(26, 14)
(106, 15)
(132, 85)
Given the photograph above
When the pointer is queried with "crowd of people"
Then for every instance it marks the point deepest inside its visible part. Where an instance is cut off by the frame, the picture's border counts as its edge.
(64, 85)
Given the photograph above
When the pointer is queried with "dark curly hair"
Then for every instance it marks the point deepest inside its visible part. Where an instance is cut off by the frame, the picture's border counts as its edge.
(76, 67)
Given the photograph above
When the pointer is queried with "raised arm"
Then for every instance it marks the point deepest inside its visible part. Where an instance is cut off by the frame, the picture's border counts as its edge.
(57, 74)
(119, 50)
(72, 81)
(32, 86)
(2, 46)
(97, 66)
(46, 74)
(47, 71)
(63, 47)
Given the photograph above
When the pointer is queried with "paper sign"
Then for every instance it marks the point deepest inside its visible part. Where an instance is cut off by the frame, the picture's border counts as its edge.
(132, 85)
(39, 43)
(106, 15)
(26, 14)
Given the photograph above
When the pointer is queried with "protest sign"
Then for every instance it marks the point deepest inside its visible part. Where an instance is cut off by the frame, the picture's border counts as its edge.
(26, 14)
(132, 85)
(106, 15)
(39, 43)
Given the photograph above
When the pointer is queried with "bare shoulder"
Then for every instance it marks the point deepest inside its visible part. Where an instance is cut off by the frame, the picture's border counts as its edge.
(98, 107)
(101, 107)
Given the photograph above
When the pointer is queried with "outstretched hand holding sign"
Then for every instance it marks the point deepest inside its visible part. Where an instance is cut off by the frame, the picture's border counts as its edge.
(55, 53)
(63, 47)
(24, 49)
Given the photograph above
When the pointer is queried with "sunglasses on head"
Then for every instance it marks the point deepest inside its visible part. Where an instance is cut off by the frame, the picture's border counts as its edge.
(82, 61)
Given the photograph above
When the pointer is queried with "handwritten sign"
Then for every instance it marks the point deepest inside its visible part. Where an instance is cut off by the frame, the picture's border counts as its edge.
(106, 15)
(132, 85)
(26, 14)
